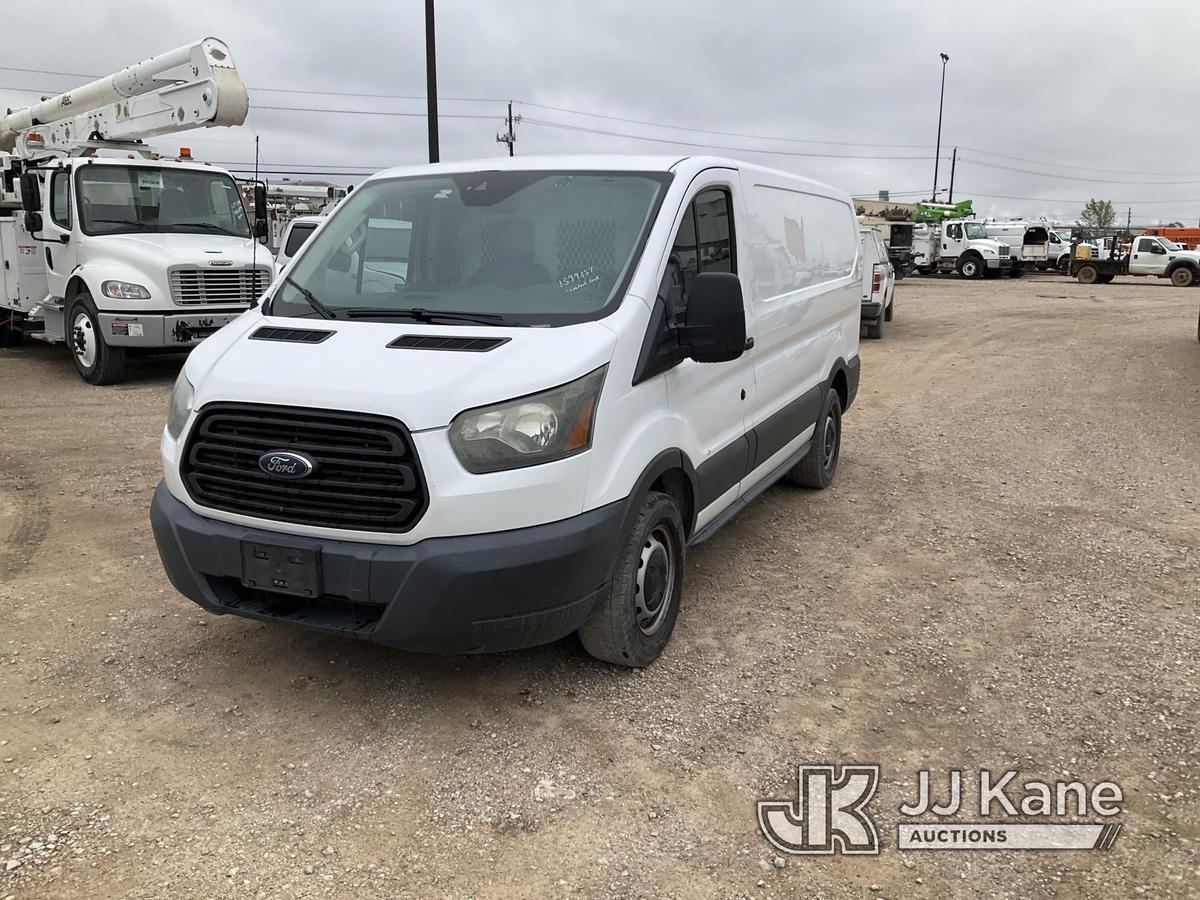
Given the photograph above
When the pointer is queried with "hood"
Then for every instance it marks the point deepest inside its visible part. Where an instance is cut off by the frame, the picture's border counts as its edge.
(354, 369)
(157, 251)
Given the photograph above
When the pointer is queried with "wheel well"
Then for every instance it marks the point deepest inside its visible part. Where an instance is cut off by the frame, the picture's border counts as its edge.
(76, 286)
(676, 485)
(839, 384)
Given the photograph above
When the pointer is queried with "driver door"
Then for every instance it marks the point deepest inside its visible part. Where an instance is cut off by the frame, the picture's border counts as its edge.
(952, 240)
(1149, 257)
(58, 247)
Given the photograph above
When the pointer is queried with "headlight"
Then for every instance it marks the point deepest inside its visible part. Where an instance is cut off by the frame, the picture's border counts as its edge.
(181, 405)
(124, 290)
(987, 251)
(530, 430)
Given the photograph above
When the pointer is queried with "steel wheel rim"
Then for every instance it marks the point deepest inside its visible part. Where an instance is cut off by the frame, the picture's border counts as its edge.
(1181, 277)
(83, 340)
(829, 448)
(654, 588)
(969, 269)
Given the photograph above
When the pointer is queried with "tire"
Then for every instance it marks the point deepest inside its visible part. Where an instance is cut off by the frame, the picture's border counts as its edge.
(1106, 279)
(10, 336)
(927, 270)
(891, 309)
(819, 466)
(873, 328)
(96, 361)
(1087, 275)
(625, 628)
(1183, 276)
(971, 266)
(1016, 272)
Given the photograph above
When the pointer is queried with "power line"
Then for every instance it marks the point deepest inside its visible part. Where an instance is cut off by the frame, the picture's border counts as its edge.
(977, 162)
(1042, 162)
(375, 112)
(658, 140)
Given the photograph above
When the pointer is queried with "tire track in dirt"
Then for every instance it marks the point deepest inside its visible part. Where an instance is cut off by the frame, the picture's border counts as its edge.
(24, 521)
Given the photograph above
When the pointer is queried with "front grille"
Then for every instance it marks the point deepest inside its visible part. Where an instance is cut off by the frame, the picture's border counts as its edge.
(366, 475)
(192, 286)
(1004, 251)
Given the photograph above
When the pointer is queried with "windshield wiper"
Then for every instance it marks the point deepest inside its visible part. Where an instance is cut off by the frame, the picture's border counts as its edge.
(419, 314)
(324, 311)
(211, 226)
(132, 222)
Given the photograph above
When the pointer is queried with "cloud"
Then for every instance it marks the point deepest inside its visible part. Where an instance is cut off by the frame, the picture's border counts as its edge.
(1040, 89)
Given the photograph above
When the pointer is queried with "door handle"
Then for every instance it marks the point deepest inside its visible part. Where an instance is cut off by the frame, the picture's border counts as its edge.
(749, 343)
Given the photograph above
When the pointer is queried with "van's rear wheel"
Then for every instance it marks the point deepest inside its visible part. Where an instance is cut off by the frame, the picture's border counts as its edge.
(635, 617)
(96, 361)
(1183, 276)
(1087, 275)
(819, 465)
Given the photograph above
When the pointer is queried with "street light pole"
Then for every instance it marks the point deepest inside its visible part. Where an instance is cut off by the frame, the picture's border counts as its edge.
(938, 152)
(431, 83)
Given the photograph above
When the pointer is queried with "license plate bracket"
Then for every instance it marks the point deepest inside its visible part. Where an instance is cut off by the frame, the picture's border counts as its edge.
(281, 570)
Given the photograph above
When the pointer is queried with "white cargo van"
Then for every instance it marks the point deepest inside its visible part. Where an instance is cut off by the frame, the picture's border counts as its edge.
(585, 366)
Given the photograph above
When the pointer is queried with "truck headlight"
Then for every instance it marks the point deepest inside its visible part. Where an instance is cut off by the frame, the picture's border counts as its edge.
(530, 430)
(181, 405)
(987, 251)
(124, 290)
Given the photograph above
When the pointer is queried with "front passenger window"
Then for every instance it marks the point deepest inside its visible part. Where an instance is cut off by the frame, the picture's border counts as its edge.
(704, 243)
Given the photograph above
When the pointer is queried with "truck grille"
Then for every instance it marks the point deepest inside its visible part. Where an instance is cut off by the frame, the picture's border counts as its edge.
(193, 286)
(366, 475)
(1004, 250)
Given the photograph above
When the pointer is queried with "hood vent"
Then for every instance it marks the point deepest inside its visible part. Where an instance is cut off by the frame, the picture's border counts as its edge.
(444, 342)
(291, 335)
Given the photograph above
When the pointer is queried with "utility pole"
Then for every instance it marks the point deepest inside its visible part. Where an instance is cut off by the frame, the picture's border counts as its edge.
(1129, 222)
(431, 83)
(509, 135)
(953, 165)
(938, 152)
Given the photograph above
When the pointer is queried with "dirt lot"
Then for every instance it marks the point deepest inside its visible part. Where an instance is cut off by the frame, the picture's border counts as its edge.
(1004, 575)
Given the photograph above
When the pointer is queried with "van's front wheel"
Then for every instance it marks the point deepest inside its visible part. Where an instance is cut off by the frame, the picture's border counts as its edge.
(635, 617)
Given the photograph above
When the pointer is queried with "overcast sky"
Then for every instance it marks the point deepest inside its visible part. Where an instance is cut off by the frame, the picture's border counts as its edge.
(1088, 105)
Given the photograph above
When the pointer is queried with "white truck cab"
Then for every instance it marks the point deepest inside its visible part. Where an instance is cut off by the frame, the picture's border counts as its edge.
(487, 406)
(962, 246)
(108, 247)
(295, 233)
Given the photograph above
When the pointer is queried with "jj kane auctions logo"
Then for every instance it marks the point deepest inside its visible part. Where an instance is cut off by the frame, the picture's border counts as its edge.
(831, 814)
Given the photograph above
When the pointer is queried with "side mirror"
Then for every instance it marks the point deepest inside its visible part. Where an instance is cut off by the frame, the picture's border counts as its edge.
(31, 193)
(714, 328)
(261, 230)
(33, 222)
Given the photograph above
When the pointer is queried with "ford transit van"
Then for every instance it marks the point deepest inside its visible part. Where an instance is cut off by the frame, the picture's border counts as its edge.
(492, 404)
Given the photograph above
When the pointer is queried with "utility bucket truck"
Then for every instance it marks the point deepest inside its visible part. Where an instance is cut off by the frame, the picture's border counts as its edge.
(962, 246)
(107, 247)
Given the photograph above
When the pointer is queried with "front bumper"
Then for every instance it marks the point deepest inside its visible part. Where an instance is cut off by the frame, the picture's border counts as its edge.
(478, 593)
(999, 262)
(162, 329)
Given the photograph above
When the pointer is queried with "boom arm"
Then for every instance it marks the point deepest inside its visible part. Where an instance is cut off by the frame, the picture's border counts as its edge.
(196, 86)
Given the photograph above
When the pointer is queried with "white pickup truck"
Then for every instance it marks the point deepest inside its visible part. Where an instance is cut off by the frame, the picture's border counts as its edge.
(1149, 255)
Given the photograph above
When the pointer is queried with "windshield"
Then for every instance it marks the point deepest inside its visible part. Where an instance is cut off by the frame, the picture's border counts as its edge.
(1170, 245)
(523, 248)
(138, 199)
(975, 231)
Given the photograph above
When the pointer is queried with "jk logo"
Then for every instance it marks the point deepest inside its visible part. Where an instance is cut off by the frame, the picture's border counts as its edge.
(829, 814)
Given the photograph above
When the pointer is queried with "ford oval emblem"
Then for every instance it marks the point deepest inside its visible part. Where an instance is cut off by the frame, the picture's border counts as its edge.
(286, 464)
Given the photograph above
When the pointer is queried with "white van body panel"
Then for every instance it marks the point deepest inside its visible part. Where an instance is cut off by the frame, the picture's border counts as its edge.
(802, 311)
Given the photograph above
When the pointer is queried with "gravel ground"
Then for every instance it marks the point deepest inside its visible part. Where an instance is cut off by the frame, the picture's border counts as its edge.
(1004, 575)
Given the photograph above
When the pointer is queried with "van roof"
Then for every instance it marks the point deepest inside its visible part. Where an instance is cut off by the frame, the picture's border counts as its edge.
(681, 165)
